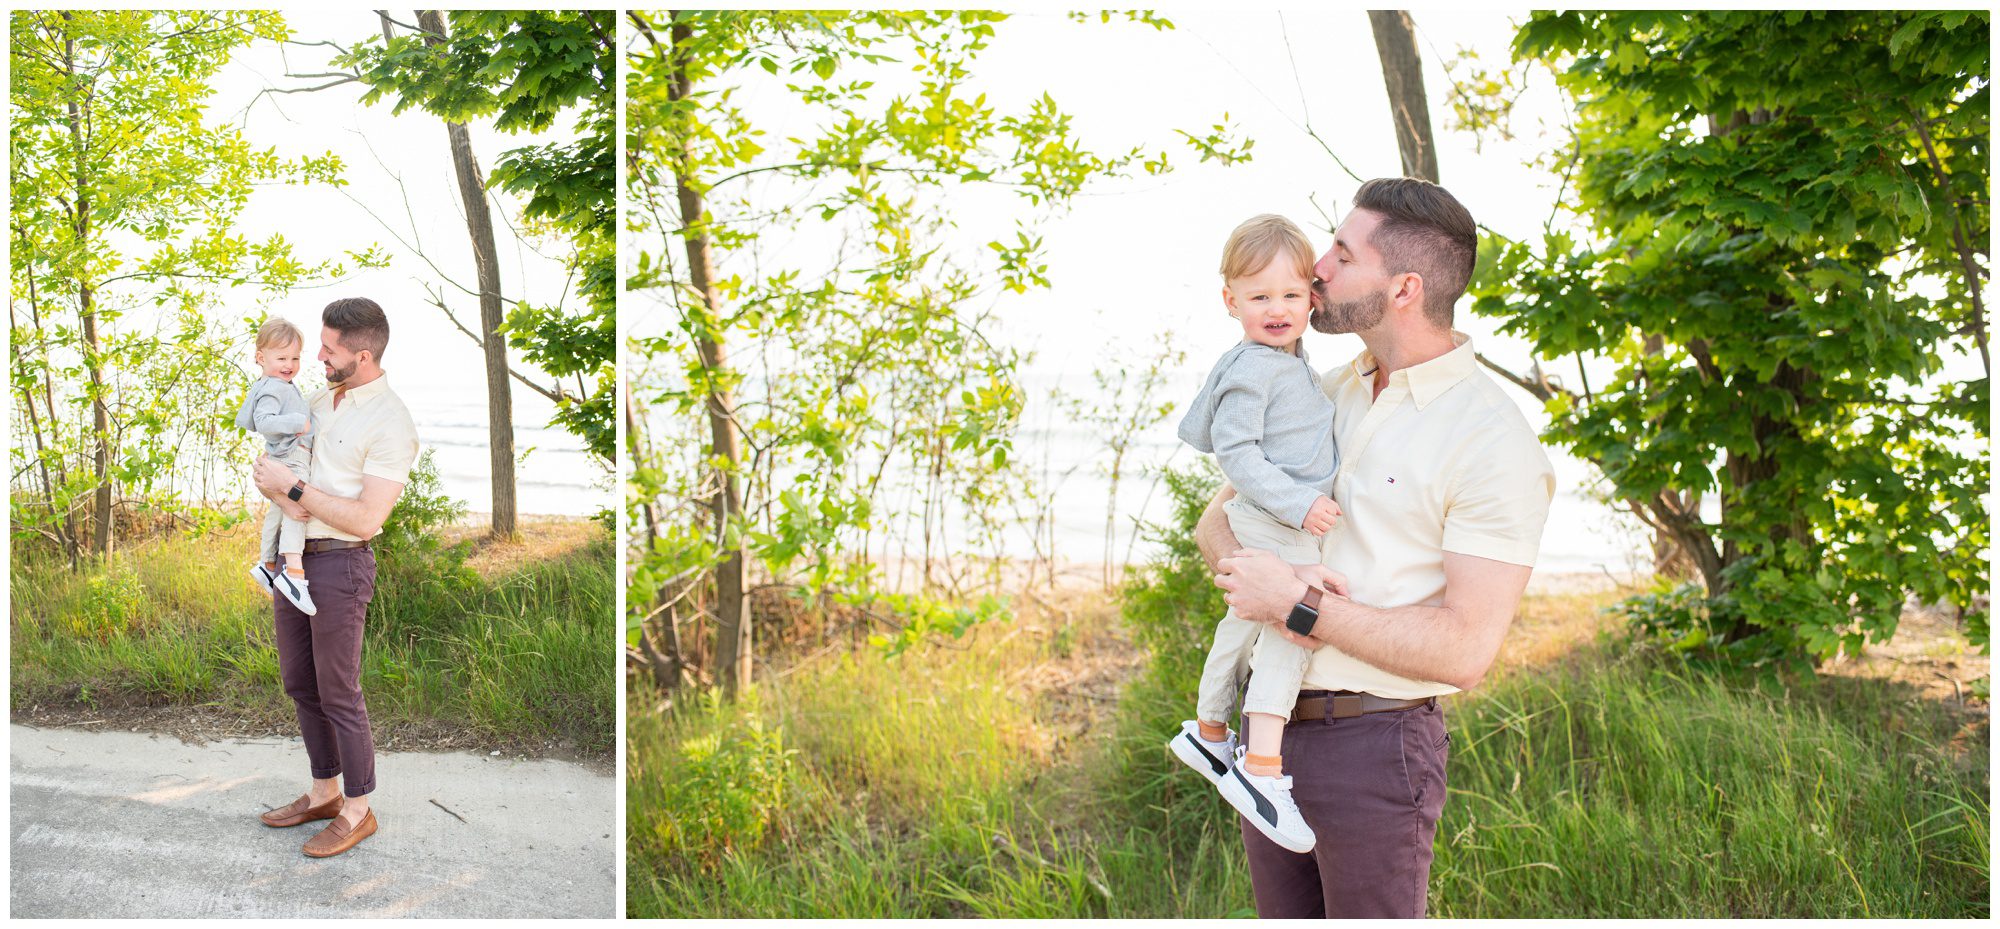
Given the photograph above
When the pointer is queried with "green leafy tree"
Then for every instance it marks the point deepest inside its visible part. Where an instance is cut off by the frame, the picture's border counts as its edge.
(125, 202)
(793, 385)
(527, 69)
(1786, 222)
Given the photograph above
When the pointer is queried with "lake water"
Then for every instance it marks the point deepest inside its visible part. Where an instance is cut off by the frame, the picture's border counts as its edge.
(1582, 534)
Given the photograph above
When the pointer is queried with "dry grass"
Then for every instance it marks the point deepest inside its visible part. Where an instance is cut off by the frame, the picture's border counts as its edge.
(540, 539)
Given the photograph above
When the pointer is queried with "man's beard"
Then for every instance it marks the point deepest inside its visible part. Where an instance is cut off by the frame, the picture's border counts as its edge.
(1351, 315)
(336, 375)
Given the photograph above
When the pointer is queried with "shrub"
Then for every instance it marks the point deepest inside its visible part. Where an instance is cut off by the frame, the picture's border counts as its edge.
(727, 791)
(415, 572)
(111, 602)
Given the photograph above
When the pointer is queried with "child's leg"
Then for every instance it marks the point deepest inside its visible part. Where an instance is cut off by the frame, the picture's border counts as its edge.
(1276, 669)
(1216, 699)
(272, 537)
(292, 533)
(292, 544)
(1279, 665)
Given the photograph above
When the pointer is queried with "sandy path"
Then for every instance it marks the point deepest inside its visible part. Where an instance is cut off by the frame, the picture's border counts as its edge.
(136, 825)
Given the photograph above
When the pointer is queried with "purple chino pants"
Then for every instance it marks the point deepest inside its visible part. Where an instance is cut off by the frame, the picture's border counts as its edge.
(319, 658)
(1371, 787)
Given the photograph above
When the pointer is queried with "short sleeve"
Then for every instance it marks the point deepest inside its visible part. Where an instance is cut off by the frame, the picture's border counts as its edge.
(1500, 501)
(394, 451)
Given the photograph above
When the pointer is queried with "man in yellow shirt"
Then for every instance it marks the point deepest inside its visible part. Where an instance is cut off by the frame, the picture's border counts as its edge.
(1444, 489)
(361, 459)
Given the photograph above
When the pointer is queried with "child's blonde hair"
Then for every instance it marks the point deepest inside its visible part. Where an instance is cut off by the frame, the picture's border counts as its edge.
(1262, 238)
(277, 332)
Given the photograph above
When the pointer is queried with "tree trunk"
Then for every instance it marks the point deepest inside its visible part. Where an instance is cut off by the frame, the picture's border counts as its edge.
(666, 667)
(1745, 472)
(732, 606)
(1403, 75)
(66, 530)
(93, 364)
(479, 222)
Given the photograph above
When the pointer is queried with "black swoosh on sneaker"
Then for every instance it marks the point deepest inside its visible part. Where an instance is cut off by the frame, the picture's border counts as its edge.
(1213, 762)
(1264, 806)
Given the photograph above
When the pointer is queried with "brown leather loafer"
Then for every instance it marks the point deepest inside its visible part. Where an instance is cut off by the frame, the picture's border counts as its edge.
(302, 811)
(336, 838)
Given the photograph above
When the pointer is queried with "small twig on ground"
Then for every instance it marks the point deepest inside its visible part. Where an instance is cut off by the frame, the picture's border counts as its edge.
(55, 749)
(448, 810)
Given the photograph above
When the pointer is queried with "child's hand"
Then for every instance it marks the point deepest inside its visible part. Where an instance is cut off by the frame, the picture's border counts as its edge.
(305, 428)
(1320, 518)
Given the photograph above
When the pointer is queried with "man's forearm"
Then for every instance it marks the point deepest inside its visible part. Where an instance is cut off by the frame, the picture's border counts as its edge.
(1426, 643)
(346, 514)
(1212, 534)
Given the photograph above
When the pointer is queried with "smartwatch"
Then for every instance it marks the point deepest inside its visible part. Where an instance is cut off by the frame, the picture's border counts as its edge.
(1305, 613)
(300, 488)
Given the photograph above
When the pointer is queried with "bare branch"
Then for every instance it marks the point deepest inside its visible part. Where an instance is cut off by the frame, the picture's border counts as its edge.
(437, 300)
(306, 90)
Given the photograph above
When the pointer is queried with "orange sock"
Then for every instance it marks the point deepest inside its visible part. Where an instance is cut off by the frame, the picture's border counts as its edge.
(1213, 732)
(296, 572)
(1264, 765)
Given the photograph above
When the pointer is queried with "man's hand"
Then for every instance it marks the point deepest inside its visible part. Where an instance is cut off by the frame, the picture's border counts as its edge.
(1259, 585)
(272, 477)
(1322, 577)
(1319, 519)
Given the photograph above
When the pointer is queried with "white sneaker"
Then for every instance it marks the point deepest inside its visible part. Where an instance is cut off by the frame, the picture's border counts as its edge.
(262, 576)
(1267, 803)
(1211, 759)
(294, 589)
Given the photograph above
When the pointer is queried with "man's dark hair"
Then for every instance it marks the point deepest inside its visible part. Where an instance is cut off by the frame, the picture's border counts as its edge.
(361, 323)
(1424, 230)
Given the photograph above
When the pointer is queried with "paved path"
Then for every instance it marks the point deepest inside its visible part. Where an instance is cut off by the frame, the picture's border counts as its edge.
(132, 825)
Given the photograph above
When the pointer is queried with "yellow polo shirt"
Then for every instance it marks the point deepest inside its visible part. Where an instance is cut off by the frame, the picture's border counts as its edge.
(1442, 461)
(369, 433)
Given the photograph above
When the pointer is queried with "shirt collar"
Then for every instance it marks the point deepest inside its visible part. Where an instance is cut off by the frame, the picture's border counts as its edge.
(1431, 379)
(365, 392)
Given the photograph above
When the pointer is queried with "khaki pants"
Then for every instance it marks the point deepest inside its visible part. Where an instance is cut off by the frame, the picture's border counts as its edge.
(1279, 665)
(282, 533)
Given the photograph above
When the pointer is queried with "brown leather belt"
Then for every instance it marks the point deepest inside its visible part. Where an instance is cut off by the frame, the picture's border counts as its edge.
(1344, 704)
(315, 546)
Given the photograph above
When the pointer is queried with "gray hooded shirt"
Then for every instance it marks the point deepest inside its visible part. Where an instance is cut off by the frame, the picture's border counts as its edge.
(276, 410)
(1263, 415)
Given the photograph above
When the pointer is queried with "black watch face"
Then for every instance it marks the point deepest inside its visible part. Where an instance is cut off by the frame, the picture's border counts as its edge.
(1302, 620)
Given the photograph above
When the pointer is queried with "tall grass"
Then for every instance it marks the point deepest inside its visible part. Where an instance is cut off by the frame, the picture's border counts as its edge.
(1600, 780)
(523, 655)
(1636, 786)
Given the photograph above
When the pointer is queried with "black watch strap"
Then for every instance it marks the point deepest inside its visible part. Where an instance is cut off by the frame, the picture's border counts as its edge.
(1305, 613)
(297, 491)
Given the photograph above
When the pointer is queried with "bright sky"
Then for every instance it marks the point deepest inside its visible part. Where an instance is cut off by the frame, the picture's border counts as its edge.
(1136, 257)
(436, 369)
